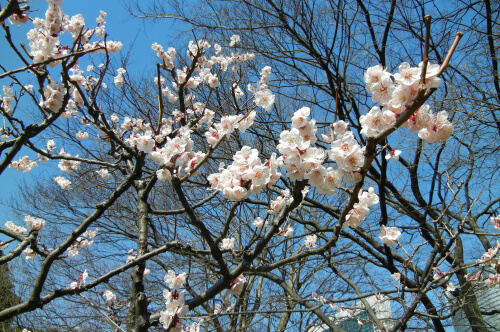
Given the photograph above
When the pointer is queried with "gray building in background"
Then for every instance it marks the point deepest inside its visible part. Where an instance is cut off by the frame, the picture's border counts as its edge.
(488, 299)
(347, 319)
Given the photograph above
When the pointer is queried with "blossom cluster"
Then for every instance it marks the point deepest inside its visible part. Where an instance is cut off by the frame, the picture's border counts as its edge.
(82, 279)
(24, 164)
(109, 298)
(360, 210)
(172, 153)
(491, 256)
(18, 20)
(81, 242)
(6, 102)
(174, 302)
(310, 241)
(389, 235)
(62, 182)
(320, 299)
(346, 152)
(14, 228)
(29, 254)
(259, 222)
(298, 156)
(280, 202)
(119, 79)
(396, 93)
(246, 175)
(227, 243)
(263, 95)
(103, 173)
(33, 223)
(496, 222)
(493, 279)
(302, 160)
(44, 37)
(285, 231)
(204, 67)
(53, 96)
(82, 135)
(175, 152)
(175, 307)
(167, 57)
(67, 165)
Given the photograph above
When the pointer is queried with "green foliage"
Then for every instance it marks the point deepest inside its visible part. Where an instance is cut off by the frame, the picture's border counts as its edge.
(7, 296)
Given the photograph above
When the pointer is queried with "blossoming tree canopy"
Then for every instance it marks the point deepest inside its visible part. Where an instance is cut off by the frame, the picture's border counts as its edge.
(199, 169)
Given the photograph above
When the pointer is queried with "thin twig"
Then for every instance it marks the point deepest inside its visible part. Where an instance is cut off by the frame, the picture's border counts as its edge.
(160, 99)
(425, 56)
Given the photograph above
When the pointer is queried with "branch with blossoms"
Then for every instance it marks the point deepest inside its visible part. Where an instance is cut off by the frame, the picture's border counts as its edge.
(85, 286)
(14, 12)
(293, 145)
(49, 51)
(34, 300)
(175, 147)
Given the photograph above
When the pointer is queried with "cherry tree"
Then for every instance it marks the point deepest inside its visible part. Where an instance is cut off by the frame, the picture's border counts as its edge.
(204, 198)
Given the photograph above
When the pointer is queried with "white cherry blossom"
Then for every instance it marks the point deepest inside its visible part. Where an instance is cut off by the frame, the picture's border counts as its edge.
(393, 154)
(259, 222)
(63, 182)
(175, 281)
(234, 40)
(103, 173)
(407, 75)
(389, 235)
(237, 285)
(227, 243)
(34, 223)
(310, 241)
(496, 222)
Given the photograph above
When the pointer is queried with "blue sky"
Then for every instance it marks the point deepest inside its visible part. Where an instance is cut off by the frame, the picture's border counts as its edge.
(135, 34)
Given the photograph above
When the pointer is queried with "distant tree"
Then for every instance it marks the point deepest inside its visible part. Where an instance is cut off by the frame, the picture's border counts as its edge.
(8, 297)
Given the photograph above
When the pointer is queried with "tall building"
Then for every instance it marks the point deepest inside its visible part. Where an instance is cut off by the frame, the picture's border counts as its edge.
(356, 318)
(488, 299)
